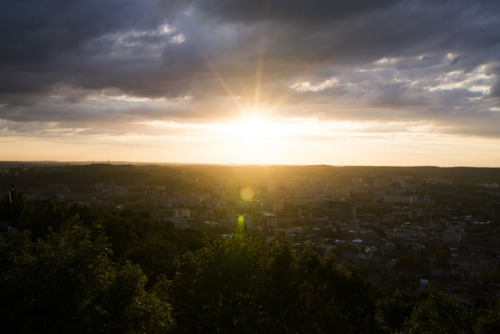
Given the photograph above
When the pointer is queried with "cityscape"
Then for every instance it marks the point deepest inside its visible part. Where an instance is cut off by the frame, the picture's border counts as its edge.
(237, 166)
(403, 228)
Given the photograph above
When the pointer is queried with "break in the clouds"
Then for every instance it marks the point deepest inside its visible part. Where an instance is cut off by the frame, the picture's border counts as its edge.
(109, 66)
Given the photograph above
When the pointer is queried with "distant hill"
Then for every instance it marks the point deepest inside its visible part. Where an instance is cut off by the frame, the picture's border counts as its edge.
(79, 175)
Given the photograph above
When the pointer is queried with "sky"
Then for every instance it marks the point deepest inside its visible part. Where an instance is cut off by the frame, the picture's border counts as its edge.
(344, 82)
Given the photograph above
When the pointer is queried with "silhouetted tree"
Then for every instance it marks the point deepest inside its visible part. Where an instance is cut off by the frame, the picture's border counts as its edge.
(438, 312)
(68, 283)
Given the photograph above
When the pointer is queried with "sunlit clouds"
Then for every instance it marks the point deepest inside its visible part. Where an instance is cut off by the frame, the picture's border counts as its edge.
(359, 82)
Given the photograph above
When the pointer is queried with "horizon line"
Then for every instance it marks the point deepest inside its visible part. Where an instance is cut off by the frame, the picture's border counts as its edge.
(122, 162)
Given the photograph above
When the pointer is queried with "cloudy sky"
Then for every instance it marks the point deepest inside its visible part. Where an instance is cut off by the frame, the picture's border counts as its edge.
(345, 82)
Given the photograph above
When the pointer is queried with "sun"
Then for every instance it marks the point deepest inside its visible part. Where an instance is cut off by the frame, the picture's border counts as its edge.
(255, 135)
(263, 136)
(255, 129)
(253, 121)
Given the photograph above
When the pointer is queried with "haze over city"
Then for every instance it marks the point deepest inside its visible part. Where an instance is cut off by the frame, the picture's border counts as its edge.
(252, 82)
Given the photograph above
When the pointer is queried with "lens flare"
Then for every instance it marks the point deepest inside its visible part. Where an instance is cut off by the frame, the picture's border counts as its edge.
(241, 221)
(247, 193)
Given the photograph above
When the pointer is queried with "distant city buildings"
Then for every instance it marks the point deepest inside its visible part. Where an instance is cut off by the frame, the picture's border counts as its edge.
(386, 222)
(181, 213)
(412, 199)
(439, 182)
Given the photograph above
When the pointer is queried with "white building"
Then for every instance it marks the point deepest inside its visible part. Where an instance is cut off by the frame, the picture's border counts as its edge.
(181, 213)
(412, 199)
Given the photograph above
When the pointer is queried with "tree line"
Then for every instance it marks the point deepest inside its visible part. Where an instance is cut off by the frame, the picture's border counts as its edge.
(69, 268)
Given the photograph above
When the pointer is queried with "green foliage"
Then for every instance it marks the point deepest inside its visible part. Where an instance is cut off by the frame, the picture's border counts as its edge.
(438, 312)
(245, 285)
(39, 216)
(394, 308)
(68, 283)
(488, 322)
(337, 299)
(78, 269)
(211, 291)
(134, 236)
(11, 205)
(152, 244)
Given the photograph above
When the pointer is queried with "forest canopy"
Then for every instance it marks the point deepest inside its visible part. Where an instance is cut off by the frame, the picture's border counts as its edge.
(71, 268)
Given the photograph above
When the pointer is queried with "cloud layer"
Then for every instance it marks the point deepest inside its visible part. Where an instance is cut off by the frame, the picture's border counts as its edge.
(104, 65)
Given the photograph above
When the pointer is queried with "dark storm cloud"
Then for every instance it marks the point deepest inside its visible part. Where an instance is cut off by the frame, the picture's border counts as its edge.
(34, 31)
(415, 59)
(294, 11)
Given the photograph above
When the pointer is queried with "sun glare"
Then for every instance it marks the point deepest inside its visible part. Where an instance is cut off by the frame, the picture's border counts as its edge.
(254, 135)
(253, 127)
(255, 130)
(253, 120)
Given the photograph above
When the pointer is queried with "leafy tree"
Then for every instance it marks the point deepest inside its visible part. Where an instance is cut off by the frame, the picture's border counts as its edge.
(152, 244)
(211, 291)
(242, 284)
(393, 309)
(488, 322)
(11, 205)
(438, 312)
(68, 283)
(336, 299)
(39, 216)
